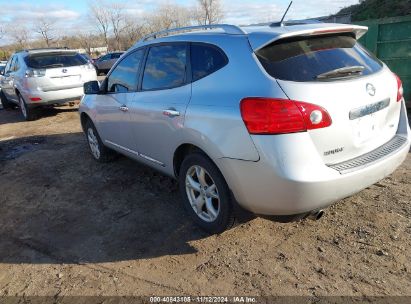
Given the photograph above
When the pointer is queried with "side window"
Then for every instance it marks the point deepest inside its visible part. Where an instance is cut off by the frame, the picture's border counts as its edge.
(165, 67)
(15, 65)
(115, 56)
(9, 64)
(124, 77)
(205, 60)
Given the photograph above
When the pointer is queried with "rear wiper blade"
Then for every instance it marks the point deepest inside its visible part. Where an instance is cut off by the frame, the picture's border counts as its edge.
(342, 72)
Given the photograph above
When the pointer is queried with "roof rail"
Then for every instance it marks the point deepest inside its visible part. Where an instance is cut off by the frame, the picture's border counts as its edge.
(227, 28)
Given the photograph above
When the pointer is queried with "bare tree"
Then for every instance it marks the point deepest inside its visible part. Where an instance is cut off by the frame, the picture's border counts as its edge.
(86, 41)
(209, 11)
(20, 35)
(131, 32)
(117, 17)
(2, 32)
(169, 16)
(45, 27)
(101, 15)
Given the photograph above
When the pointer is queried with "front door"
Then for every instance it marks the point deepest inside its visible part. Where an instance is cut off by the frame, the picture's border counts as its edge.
(112, 107)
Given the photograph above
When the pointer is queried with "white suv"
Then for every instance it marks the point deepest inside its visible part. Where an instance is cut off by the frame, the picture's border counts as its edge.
(40, 77)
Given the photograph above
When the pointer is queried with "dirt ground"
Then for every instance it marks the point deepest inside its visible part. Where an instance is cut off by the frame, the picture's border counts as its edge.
(72, 226)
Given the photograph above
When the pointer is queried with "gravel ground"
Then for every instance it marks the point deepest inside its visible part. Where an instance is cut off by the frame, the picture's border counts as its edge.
(71, 226)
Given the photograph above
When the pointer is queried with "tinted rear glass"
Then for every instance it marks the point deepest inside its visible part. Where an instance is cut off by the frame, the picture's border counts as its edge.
(54, 60)
(205, 60)
(304, 59)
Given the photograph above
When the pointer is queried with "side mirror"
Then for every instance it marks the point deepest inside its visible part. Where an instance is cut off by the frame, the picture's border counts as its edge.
(91, 87)
(2, 72)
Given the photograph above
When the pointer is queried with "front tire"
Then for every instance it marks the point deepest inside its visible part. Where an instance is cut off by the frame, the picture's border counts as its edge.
(100, 152)
(206, 196)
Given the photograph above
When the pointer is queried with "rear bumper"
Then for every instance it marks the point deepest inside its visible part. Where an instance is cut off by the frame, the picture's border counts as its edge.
(288, 181)
(53, 97)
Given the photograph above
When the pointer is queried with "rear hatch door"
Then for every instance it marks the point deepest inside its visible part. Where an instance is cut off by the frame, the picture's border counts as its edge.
(60, 70)
(335, 72)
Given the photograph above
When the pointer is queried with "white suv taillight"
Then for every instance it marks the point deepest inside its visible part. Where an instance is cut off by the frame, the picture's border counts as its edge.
(400, 93)
(35, 73)
(88, 66)
(281, 116)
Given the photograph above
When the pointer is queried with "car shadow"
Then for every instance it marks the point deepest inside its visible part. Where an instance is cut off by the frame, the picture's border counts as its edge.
(14, 115)
(58, 205)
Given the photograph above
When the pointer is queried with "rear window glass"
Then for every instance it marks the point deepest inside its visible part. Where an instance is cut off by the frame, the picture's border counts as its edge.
(54, 60)
(305, 59)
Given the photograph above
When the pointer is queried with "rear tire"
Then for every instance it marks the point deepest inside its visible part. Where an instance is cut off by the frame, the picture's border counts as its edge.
(27, 112)
(100, 152)
(5, 102)
(206, 196)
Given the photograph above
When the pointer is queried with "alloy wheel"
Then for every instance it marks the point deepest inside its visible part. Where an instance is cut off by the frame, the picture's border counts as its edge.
(202, 193)
(23, 108)
(93, 143)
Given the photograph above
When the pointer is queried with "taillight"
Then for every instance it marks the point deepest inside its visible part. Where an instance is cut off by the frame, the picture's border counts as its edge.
(35, 73)
(400, 93)
(281, 116)
(88, 66)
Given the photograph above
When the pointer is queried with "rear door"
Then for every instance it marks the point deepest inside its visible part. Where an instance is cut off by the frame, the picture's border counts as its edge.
(338, 74)
(157, 111)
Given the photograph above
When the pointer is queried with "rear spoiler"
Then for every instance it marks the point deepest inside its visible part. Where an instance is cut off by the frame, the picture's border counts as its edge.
(259, 40)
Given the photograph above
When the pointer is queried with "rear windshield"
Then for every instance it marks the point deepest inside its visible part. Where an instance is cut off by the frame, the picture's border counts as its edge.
(54, 60)
(304, 59)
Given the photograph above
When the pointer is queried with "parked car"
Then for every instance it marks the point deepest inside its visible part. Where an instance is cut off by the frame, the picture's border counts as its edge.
(87, 57)
(2, 66)
(104, 63)
(44, 77)
(278, 120)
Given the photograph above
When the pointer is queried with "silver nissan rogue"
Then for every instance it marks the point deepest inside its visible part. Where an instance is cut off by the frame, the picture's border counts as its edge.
(279, 120)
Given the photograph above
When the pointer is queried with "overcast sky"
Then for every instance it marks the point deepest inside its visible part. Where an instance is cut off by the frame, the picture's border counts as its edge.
(70, 13)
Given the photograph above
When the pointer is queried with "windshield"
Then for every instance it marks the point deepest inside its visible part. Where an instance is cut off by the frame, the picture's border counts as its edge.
(54, 60)
(305, 59)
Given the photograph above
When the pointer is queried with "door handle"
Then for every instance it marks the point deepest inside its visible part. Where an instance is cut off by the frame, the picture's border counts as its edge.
(123, 108)
(171, 113)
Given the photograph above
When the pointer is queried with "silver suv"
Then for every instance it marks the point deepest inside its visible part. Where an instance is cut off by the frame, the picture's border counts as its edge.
(279, 120)
(34, 78)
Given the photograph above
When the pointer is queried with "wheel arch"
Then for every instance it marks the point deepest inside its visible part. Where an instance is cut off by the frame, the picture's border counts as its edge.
(84, 117)
(181, 152)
